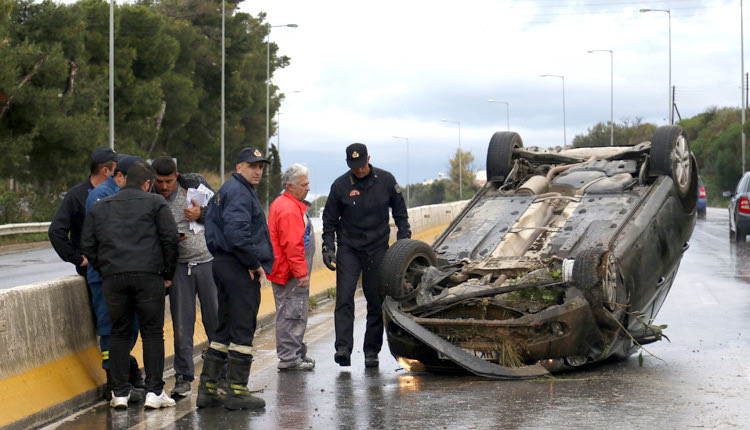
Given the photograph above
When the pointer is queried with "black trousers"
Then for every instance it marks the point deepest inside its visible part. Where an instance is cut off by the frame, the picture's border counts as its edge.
(239, 300)
(128, 295)
(350, 263)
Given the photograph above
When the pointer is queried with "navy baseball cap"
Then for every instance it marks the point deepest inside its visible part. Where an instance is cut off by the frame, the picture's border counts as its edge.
(125, 162)
(251, 155)
(356, 155)
(105, 154)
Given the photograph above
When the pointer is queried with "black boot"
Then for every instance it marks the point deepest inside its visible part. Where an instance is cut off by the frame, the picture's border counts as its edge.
(239, 396)
(208, 393)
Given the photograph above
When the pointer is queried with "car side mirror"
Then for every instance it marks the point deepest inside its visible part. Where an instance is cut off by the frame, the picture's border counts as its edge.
(726, 194)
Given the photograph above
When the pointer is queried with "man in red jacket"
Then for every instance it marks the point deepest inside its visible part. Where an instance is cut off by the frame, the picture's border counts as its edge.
(293, 247)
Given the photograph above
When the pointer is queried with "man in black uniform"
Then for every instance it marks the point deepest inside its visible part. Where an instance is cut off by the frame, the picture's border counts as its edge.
(356, 213)
(237, 236)
(65, 229)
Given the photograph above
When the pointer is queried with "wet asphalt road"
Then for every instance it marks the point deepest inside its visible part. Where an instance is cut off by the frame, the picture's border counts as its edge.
(699, 380)
(32, 265)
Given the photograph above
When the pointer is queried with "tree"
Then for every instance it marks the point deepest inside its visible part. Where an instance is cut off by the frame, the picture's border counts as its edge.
(467, 175)
(626, 133)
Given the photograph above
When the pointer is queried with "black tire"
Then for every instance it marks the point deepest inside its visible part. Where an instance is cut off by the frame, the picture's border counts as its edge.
(670, 156)
(587, 278)
(500, 153)
(403, 266)
(701, 214)
(740, 235)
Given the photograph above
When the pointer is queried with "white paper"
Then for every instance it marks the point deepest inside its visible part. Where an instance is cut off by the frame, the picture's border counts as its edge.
(201, 195)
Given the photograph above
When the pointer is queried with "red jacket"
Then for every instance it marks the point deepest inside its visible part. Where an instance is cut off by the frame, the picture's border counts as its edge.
(286, 224)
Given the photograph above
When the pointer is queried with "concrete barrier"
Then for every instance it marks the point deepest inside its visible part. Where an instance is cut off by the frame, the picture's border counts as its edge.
(49, 357)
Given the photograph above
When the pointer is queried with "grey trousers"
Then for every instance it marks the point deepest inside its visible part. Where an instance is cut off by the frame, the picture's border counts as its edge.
(291, 321)
(189, 280)
(291, 314)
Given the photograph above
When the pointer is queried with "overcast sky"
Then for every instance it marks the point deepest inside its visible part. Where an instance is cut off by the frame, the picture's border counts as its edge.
(368, 71)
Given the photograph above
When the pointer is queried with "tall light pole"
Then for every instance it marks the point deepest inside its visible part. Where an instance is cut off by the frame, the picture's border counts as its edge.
(268, 90)
(507, 111)
(407, 167)
(223, 113)
(611, 93)
(670, 112)
(565, 135)
(112, 74)
(460, 162)
(742, 86)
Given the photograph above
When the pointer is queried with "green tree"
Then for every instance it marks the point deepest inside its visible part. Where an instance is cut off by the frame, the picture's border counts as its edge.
(467, 175)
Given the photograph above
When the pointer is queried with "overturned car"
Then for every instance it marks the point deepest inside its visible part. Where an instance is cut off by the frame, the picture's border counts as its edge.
(562, 259)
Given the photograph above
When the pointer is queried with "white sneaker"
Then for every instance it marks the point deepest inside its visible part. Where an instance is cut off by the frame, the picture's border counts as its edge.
(119, 402)
(161, 401)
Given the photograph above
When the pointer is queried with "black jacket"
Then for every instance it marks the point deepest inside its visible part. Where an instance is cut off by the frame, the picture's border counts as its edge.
(357, 211)
(236, 225)
(67, 225)
(131, 231)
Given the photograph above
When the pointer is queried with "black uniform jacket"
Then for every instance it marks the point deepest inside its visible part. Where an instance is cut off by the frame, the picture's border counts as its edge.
(67, 225)
(357, 211)
(236, 225)
(131, 231)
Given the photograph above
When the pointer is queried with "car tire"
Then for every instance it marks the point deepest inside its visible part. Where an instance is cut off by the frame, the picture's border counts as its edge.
(500, 153)
(402, 268)
(702, 214)
(586, 269)
(740, 235)
(670, 156)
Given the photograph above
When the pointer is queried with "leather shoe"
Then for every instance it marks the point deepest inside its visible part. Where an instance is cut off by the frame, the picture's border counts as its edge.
(342, 357)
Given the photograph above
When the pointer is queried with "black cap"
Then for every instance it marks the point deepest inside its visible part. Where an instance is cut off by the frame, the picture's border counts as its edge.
(356, 155)
(104, 154)
(251, 155)
(125, 162)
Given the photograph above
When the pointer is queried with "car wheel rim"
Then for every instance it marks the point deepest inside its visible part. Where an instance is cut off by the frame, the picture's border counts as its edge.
(681, 163)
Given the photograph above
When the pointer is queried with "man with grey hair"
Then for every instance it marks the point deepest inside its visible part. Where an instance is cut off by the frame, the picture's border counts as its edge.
(293, 247)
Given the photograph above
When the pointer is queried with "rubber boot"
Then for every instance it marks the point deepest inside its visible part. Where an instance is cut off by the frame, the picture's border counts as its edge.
(239, 396)
(208, 393)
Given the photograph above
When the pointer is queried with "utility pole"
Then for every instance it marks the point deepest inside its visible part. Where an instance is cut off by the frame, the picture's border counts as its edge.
(742, 79)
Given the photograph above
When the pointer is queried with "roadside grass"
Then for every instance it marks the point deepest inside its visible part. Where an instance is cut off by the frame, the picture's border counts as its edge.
(12, 239)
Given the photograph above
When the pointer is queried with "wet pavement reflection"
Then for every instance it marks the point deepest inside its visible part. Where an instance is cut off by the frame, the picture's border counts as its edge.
(699, 380)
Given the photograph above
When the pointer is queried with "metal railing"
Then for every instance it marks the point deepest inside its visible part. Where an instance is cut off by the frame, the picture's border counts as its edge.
(29, 227)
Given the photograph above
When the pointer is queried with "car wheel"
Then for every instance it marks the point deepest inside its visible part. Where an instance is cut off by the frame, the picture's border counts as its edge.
(403, 266)
(670, 156)
(500, 153)
(702, 214)
(605, 296)
(740, 234)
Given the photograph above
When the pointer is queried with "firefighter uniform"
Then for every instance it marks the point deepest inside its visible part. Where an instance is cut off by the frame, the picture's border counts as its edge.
(356, 219)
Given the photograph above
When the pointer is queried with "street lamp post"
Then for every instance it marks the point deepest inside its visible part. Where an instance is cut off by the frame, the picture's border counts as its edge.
(268, 90)
(407, 167)
(223, 83)
(507, 111)
(670, 112)
(611, 93)
(112, 74)
(460, 162)
(742, 85)
(565, 136)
